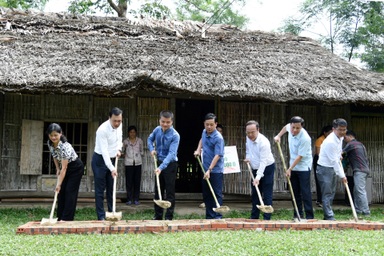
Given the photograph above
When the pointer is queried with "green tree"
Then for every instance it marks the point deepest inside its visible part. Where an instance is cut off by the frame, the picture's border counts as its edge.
(106, 6)
(24, 4)
(211, 11)
(351, 24)
(371, 35)
(152, 8)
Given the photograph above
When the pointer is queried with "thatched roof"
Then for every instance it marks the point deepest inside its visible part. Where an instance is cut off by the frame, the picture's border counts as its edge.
(57, 53)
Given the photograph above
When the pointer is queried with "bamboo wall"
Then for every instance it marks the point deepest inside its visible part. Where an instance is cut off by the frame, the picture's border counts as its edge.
(369, 131)
(144, 113)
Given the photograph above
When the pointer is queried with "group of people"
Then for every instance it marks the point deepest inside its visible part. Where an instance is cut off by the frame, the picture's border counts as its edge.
(327, 166)
(163, 145)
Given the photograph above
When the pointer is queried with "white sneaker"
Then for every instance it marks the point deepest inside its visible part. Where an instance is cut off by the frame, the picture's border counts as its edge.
(202, 205)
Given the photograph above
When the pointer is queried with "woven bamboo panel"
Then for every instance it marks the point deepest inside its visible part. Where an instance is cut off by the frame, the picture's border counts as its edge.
(16, 108)
(369, 131)
(69, 107)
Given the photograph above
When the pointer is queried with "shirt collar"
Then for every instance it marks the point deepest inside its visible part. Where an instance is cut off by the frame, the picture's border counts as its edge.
(210, 135)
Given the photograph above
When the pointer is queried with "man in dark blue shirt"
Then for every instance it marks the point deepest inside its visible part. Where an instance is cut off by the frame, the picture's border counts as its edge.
(357, 158)
(211, 146)
(166, 140)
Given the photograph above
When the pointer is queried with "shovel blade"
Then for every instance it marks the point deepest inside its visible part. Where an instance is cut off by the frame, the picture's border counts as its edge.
(113, 216)
(265, 208)
(162, 203)
(221, 209)
(47, 222)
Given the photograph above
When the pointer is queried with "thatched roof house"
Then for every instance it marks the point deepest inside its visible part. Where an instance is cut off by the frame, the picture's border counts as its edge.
(72, 69)
(42, 53)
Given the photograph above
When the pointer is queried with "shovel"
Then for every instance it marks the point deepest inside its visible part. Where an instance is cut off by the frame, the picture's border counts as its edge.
(262, 207)
(51, 220)
(289, 182)
(114, 216)
(350, 197)
(162, 203)
(219, 209)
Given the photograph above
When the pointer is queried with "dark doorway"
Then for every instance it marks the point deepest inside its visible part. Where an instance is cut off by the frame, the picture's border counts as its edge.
(190, 124)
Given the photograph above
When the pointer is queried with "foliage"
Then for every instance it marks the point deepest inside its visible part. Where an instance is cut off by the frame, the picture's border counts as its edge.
(24, 4)
(351, 24)
(372, 37)
(89, 7)
(211, 11)
(242, 242)
(153, 9)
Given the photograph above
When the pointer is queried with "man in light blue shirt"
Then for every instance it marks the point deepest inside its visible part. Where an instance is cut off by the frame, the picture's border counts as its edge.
(300, 163)
(164, 142)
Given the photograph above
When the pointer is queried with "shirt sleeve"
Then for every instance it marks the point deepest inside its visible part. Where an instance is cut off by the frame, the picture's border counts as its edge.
(334, 157)
(219, 147)
(265, 148)
(247, 151)
(102, 137)
(151, 139)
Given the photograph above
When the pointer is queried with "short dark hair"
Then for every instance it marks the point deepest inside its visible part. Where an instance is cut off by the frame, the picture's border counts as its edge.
(115, 111)
(339, 122)
(325, 129)
(350, 133)
(250, 122)
(220, 126)
(210, 116)
(297, 119)
(132, 127)
(166, 114)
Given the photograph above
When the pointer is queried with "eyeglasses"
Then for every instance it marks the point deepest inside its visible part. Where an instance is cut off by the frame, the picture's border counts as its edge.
(341, 130)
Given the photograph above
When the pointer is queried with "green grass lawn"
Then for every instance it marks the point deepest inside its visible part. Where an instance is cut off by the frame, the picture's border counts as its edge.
(245, 242)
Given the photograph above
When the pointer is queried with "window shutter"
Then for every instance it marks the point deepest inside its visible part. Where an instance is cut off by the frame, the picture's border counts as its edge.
(31, 158)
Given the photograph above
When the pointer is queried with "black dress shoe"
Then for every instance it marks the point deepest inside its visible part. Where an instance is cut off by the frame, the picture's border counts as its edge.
(157, 218)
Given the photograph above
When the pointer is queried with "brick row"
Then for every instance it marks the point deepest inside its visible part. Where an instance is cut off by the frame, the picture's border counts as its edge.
(145, 226)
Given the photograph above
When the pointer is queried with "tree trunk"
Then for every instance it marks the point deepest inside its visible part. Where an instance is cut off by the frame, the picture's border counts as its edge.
(121, 8)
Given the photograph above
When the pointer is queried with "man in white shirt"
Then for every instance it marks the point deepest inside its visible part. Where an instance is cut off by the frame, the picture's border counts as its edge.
(328, 165)
(259, 155)
(109, 137)
(300, 163)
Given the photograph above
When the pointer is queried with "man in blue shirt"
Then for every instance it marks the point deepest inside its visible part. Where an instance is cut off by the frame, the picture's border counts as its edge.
(166, 140)
(300, 163)
(212, 146)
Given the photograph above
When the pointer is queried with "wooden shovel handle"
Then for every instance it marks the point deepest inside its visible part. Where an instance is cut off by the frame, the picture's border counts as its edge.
(256, 187)
(209, 183)
(157, 178)
(114, 188)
